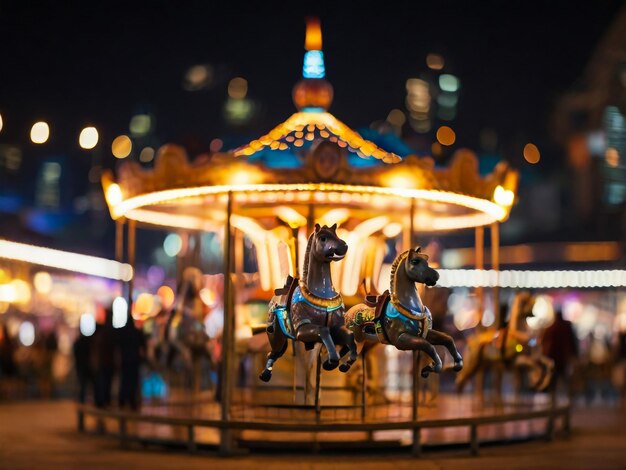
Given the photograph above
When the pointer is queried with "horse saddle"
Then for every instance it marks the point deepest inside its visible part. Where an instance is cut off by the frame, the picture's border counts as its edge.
(285, 293)
(378, 303)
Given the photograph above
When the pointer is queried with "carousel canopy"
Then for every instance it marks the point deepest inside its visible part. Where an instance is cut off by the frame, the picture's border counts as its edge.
(311, 159)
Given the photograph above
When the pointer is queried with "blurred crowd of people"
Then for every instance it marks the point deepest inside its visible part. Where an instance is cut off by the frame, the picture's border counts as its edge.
(97, 359)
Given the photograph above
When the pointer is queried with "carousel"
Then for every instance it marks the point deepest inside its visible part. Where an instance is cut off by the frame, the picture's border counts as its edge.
(332, 222)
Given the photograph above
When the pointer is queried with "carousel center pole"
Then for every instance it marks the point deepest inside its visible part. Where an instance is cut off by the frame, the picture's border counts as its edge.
(226, 384)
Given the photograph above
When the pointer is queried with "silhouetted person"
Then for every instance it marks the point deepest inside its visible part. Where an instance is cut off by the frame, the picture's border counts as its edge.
(132, 349)
(7, 357)
(560, 344)
(84, 365)
(104, 359)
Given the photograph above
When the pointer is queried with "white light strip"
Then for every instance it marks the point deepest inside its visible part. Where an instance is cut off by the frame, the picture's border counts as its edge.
(66, 260)
(531, 279)
(493, 212)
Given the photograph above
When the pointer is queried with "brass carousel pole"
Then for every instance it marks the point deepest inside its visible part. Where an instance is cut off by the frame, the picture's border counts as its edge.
(312, 388)
(226, 384)
(132, 225)
(119, 240)
(295, 253)
(417, 448)
(495, 265)
(479, 263)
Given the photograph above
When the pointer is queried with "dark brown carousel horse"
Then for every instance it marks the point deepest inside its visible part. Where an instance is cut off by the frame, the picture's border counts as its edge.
(399, 317)
(309, 309)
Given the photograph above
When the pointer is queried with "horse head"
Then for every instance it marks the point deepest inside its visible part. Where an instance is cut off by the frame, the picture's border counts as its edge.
(326, 246)
(417, 269)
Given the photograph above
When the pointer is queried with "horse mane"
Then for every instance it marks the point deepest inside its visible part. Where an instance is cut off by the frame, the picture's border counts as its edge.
(394, 269)
(307, 254)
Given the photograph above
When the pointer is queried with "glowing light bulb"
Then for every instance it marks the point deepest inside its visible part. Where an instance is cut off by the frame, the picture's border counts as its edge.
(502, 196)
(114, 194)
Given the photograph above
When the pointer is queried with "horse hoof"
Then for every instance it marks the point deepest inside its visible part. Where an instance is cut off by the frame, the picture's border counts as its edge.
(330, 365)
(424, 373)
(266, 375)
(458, 365)
(344, 367)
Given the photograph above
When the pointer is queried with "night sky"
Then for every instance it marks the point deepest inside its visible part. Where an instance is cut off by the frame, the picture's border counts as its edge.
(79, 63)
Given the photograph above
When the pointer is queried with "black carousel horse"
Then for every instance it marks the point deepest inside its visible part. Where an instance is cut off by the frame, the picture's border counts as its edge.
(309, 309)
(399, 317)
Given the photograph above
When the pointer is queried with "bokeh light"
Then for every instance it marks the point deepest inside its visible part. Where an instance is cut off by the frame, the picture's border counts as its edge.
(26, 333)
(1, 123)
(445, 135)
(146, 155)
(121, 146)
(238, 88)
(88, 138)
(120, 312)
(612, 157)
(166, 296)
(43, 282)
(449, 83)
(172, 244)
(87, 324)
(144, 303)
(531, 153)
(435, 61)
(216, 145)
(392, 229)
(40, 132)
(396, 118)
(140, 125)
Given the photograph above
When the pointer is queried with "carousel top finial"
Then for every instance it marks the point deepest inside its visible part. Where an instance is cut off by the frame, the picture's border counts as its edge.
(313, 92)
(313, 57)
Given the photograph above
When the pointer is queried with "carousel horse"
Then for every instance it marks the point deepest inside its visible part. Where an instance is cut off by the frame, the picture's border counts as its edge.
(399, 317)
(309, 309)
(180, 336)
(509, 348)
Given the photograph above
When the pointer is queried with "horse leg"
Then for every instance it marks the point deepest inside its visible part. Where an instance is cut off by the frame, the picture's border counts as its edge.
(346, 338)
(440, 338)
(310, 333)
(407, 342)
(279, 343)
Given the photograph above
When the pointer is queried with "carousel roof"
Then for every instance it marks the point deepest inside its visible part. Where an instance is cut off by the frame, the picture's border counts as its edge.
(312, 158)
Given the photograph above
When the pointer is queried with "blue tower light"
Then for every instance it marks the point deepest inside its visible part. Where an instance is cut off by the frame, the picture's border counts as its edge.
(313, 65)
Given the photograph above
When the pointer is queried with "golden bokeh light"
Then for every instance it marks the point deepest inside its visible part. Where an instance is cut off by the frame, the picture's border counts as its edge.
(166, 296)
(446, 136)
(531, 153)
(434, 61)
(612, 157)
(43, 282)
(121, 146)
(238, 88)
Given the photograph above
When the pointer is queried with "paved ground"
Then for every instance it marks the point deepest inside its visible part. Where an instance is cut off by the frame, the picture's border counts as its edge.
(42, 435)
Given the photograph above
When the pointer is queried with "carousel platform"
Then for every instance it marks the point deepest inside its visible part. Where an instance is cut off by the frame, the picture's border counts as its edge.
(448, 421)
